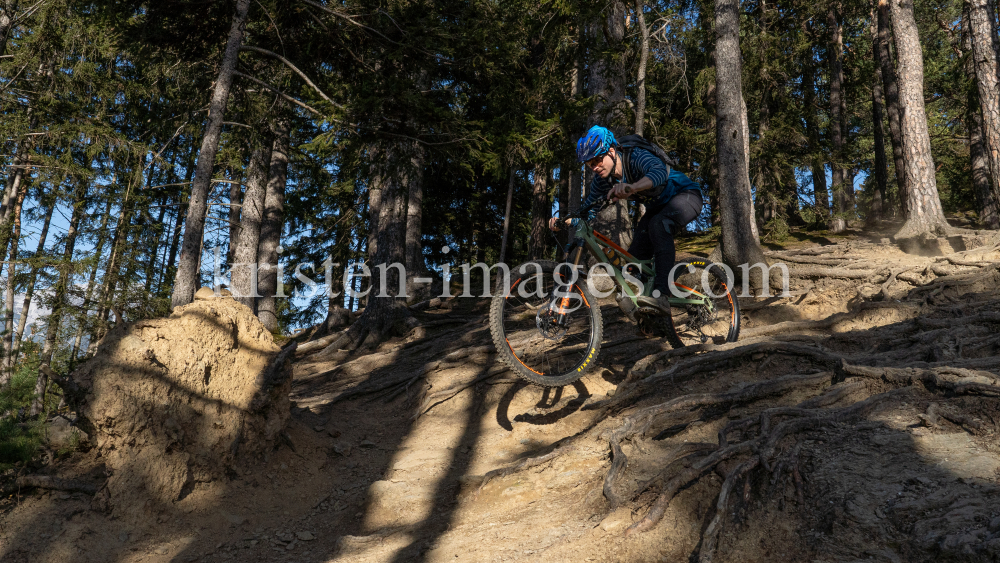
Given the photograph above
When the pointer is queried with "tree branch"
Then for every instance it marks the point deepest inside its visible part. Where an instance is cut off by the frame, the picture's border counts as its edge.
(278, 92)
(375, 31)
(289, 64)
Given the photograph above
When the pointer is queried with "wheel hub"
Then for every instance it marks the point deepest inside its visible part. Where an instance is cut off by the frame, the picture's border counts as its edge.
(547, 323)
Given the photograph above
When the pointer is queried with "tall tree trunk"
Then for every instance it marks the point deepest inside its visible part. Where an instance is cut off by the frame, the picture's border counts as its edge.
(791, 185)
(540, 212)
(607, 83)
(271, 228)
(880, 201)
(562, 198)
(384, 314)
(7, 16)
(986, 58)
(745, 124)
(415, 265)
(194, 227)
(15, 242)
(640, 81)
(989, 209)
(923, 209)
(506, 215)
(110, 280)
(738, 244)
(29, 292)
(712, 178)
(576, 88)
(102, 236)
(59, 295)
(243, 270)
(15, 191)
(835, 55)
(894, 111)
(767, 192)
(235, 207)
(157, 230)
(821, 196)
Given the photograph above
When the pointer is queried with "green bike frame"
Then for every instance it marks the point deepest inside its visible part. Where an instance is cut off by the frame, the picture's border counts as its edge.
(606, 251)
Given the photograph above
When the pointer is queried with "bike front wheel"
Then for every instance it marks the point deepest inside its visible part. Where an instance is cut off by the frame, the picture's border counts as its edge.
(708, 310)
(546, 330)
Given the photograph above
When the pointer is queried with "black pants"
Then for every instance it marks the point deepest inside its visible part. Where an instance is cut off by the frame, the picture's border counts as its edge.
(654, 234)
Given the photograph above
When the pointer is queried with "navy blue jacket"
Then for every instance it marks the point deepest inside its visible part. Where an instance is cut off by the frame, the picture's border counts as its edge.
(642, 163)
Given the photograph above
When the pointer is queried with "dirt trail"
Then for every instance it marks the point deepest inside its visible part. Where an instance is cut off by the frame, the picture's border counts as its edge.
(404, 473)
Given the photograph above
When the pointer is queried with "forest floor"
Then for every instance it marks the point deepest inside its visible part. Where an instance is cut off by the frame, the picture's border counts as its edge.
(867, 404)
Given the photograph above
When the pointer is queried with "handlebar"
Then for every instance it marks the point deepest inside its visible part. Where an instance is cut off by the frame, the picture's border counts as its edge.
(600, 204)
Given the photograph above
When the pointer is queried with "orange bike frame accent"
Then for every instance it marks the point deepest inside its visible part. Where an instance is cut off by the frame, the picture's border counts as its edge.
(612, 244)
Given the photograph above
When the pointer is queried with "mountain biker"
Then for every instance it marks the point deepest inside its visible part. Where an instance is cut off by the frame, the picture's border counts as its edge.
(672, 200)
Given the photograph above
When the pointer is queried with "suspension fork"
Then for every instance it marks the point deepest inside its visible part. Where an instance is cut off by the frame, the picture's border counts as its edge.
(562, 311)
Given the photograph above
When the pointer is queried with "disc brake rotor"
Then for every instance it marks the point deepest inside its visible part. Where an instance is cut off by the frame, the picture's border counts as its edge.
(545, 320)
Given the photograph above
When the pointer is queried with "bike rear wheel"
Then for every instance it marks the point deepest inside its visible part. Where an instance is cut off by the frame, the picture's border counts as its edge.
(546, 331)
(718, 318)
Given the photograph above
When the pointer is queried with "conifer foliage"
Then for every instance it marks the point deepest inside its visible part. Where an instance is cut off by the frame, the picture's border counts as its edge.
(153, 148)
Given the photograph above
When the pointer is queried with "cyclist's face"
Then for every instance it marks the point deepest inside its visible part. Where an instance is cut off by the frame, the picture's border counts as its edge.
(603, 165)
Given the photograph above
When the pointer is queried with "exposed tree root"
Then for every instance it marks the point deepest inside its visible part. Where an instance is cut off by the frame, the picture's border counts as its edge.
(875, 385)
(431, 400)
(762, 448)
(526, 463)
(838, 273)
(56, 484)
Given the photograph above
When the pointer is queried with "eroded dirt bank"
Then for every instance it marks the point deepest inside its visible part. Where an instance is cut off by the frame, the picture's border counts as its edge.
(859, 418)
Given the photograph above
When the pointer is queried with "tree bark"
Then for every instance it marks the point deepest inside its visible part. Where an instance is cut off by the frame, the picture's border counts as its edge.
(989, 210)
(506, 216)
(894, 111)
(111, 276)
(986, 59)
(29, 292)
(923, 210)
(271, 228)
(540, 212)
(640, 81)
(59, 295)
(194, 227)
(415, 265)
(738, 244)
(385, 313)
(15, 241)
(880, 201)
(182, 208)
(155, 234)
(235, 208)
(243, 271)
(767, 191)
(575, 193)
(7, 14)
(792, 190)
(821, 196)
(102, 235)
(835, 55)
(14, 193)
(607, 83)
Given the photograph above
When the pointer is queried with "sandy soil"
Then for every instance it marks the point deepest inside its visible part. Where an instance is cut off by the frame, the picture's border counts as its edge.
(366, 480)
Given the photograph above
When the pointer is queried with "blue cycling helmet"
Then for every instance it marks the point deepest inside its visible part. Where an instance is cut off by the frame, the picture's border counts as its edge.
(596, 142)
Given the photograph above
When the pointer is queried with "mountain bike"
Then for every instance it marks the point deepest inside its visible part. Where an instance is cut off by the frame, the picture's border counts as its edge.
(547, 324)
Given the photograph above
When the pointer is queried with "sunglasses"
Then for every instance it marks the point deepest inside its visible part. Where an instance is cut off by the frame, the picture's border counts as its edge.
(595, 161)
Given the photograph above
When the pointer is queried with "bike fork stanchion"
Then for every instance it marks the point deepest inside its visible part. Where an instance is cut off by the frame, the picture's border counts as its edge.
(562, 309)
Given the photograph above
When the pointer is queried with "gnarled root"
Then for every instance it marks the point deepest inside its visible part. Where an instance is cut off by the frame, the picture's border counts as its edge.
(759, 438)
